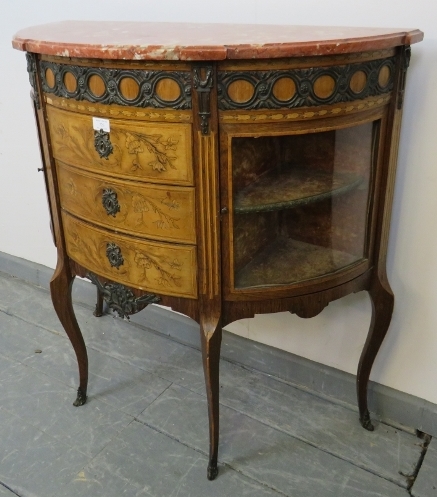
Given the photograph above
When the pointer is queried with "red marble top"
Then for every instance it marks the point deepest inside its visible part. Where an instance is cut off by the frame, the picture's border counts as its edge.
(172, 41)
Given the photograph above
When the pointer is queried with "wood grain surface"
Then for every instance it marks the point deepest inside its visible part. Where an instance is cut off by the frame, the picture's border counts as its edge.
(145, 209)
(151, 266)
(158, 152)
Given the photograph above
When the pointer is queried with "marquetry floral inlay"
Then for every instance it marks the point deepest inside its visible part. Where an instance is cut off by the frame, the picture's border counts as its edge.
(166, 278)
(80, 144)
(142, 204)
(156, 145)
(141, 209)
(89, 250)
(164, 270)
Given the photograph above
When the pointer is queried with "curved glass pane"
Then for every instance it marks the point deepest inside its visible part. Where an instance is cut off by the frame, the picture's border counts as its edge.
(300, 204)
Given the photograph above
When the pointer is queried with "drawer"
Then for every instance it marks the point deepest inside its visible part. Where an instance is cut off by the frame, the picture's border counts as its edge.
(162, 268)
(156, 152)
(143, 209)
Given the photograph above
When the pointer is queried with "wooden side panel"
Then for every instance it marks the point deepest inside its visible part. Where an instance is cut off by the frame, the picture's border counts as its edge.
(155, 211)
(389, 165)
(159, 152)
(151, 266)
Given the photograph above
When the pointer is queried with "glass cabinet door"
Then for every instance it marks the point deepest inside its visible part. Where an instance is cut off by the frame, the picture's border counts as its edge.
(300, 204)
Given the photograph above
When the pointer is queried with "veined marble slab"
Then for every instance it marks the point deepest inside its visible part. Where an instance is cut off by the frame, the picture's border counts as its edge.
(177, 41)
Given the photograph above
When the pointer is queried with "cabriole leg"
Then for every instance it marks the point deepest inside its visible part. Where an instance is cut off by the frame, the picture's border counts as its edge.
(60, 289)
(211, 337)
(382, 300)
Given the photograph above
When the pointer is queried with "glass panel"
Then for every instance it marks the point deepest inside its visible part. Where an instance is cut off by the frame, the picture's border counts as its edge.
(300, 204)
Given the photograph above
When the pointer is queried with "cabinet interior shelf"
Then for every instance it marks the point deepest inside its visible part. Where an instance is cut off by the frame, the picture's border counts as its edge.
(286, 261)
(292, 188)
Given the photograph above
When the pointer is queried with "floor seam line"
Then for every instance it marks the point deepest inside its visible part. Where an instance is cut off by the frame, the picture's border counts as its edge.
(83, 468)
(426, 441)
(200, 451)
(156, 398)
(42, 327)
(311, 444)
(10, 489)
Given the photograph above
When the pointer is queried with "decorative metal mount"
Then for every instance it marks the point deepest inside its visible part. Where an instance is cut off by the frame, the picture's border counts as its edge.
(110, 202)
(263, 83)
(120, 299)
(146, 80)
(212, 471)
(405, 61)
(365, 421)
(102, 144)
(113, 253)
(203, 87)
(31, 69)
(80, 399)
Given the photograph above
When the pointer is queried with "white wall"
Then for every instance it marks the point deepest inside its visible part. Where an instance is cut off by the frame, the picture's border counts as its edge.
(408, 358)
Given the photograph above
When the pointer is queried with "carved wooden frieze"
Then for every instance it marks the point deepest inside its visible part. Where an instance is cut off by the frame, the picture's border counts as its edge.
(291, 88)
(303, 113)
(131, 87)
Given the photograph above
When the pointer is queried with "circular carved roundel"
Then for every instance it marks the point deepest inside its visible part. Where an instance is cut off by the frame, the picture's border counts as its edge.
(241, 91)
(358, 81)
(70, 82)
(324, 86)
(284, 89)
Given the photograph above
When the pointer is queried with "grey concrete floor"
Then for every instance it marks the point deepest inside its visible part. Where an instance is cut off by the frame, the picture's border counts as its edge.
(144, 429)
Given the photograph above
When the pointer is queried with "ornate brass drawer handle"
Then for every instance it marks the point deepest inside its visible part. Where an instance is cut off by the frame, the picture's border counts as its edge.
(110, 202)
(102, 144)
(113, 253)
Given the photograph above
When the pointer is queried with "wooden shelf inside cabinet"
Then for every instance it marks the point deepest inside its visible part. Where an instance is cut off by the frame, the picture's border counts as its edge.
(187, 164)
(286, 261)
(292, 188)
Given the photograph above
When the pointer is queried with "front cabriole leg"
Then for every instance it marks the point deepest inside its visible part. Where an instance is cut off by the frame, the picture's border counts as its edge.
(211, 337)
(60, 289)
(382, 300)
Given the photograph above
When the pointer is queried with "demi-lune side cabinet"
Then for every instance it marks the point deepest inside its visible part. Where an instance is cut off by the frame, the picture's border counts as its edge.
(221, 170)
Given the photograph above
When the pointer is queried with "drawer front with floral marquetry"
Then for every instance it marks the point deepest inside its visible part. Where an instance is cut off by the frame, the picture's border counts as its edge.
(156, 152)
(154, 211)
(162, 268)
